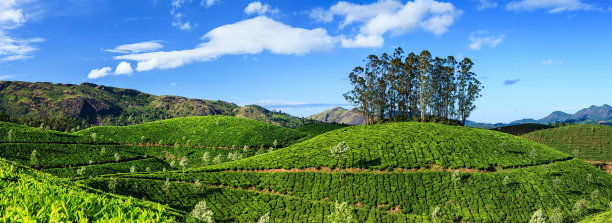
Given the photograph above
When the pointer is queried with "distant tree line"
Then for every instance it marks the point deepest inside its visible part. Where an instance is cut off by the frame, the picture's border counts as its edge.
(414, 87)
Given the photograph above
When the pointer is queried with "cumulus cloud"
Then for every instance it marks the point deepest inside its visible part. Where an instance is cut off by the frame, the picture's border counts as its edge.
(12, 16)
(553, 6)
(136, 47)
(486, 4)
(484, 38)
(390, 16)
(124, 68)
(98, 73)
(259, 9)
(249, 36)
(511, 82)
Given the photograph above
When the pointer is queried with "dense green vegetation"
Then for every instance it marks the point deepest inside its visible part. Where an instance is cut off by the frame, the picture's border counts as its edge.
(218, 131)
(16, 133)
(407, 145)
(522, 129)
(589, 142)
(599, 218)
(414, 87)
(314, 129)
(29, 196)
(69, 107)
(511, 195)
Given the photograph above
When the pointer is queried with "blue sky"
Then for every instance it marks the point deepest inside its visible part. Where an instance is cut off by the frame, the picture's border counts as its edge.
(533, 57)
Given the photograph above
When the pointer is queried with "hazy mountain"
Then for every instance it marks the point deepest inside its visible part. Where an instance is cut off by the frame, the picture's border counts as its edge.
(91, 104)
(339, 115)
(591, 115)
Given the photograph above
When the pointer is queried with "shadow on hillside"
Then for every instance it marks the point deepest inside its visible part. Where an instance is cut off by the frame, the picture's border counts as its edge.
(369, 163)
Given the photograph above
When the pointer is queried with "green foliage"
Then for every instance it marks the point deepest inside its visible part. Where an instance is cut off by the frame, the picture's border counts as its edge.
(202, 213)
(201, 131)
(522, 129)
(590, 142)
(342, 213)
(29, 196)
(408, 145)
(314, 129)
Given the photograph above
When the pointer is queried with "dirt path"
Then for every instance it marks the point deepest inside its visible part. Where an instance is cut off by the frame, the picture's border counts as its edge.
(605, 166)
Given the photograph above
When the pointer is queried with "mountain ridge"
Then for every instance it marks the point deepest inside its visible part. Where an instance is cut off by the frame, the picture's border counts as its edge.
(591, 115)
(63, 106)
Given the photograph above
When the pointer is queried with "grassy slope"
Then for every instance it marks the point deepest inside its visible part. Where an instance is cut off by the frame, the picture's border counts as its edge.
(406, 145)
(218, 131)
(315, 129)
(521, 129)
(510, 195)
(29, 196)
(590, 142)
(22, 133)
(384, 196)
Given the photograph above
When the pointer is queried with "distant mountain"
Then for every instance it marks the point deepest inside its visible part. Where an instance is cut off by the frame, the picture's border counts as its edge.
(63, 106)
(591, 115)
(339, 115)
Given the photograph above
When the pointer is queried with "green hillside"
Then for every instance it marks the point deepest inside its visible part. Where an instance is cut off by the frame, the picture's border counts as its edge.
(16, 133)
(408, 145)
(588, 142)
(68, 107)
(29, 196)
(314, 129)
(396, 172)
(208, 131)
(521, 129)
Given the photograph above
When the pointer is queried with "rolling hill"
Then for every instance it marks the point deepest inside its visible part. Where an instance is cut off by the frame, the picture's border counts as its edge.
(589, 142)
(398, 172)
(66, 106)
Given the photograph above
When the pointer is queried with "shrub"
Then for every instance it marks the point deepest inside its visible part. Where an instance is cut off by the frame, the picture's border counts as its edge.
(537, 217)
(435, 214)
(133, 169)
(34, 159)
(342, 213)
(265, 218)
(556, 216)
(578, 209)
(117, 157)
(112, 184)
(202, 213)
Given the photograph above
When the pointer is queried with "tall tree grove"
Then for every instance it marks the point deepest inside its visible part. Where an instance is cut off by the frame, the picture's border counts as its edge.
(414, 87)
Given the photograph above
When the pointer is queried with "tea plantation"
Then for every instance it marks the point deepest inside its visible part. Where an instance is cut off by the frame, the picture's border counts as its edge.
(522, 129)
(30, 196)
(209, 131)
(396, 172)
(588, 142)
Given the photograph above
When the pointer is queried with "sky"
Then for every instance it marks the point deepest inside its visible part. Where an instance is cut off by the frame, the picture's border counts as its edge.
(532, 56)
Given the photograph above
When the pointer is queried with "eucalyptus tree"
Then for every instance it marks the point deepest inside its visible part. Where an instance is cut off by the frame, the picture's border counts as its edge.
(424, 66)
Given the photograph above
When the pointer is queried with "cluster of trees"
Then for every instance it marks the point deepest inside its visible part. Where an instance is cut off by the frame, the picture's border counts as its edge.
(414, 87)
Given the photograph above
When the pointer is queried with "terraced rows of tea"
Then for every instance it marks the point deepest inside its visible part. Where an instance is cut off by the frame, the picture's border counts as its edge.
(588, 142)
(244, 169)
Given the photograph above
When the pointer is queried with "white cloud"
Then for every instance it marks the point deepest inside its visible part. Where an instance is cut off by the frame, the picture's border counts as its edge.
(391, 16)
(553, 6)
(12, 49)
(486, 4)
(547, 62)
(4, 77)
(173, 84)
(321, 15)
(124, 68)
(260, 9)
(98, 73)
(177, 20)
(137, 47)
(209, 3)
(251, 36)
(13, 16)
(484, 38)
